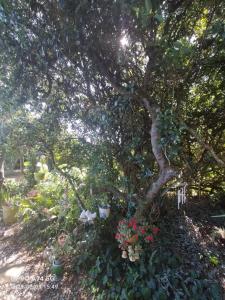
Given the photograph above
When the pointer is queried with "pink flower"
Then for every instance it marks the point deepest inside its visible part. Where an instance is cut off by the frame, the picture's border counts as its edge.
(155, 230)
(117, 236)
(149, 238)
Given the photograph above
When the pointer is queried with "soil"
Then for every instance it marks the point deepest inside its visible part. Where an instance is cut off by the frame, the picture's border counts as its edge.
(27, 275)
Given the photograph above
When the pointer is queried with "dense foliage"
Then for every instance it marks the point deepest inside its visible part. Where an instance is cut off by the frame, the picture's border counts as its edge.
(113, 102)
(113, 70)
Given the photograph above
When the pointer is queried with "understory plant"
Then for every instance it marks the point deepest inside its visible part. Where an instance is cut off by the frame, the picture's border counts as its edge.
(11, 193)
(156, 275)
(61, 247)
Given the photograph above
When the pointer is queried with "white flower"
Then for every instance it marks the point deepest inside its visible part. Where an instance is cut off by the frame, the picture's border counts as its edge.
(136, 256)
(130, 250)
(124, 254)
(132, 258)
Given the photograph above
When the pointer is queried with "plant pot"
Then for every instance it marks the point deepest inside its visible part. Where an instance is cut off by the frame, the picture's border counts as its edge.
(57, 268)
(104, 212)
(9, 214)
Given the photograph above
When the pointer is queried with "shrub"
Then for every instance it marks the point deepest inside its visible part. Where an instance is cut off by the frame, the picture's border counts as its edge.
(152, 277)
(158, 274)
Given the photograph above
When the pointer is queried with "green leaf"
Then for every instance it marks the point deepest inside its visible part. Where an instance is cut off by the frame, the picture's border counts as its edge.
(136, 10)
(159, 18)
(124, 295)
(148, 6)
(105, 280)
(98, 264)
(109, 271)
(151, 284)
(146, 293)
(215, 292)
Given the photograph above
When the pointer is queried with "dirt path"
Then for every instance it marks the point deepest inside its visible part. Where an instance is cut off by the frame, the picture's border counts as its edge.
(25, 275)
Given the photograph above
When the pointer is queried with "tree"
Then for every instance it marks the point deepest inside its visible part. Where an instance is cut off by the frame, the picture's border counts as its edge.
(138, 76)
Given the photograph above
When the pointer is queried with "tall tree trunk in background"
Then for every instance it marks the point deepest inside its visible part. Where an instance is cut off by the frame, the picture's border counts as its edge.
(166, 172)
(22, 164)
(2, 170)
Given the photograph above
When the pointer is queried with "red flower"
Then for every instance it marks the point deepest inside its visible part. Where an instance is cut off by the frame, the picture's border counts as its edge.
(155, 230)
(135, 226)
(119, 236)
(133, 223)
(149, 238)
(142, 231)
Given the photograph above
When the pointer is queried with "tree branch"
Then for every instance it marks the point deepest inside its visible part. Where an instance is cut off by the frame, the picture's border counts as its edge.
(206, 146)
(116, 193)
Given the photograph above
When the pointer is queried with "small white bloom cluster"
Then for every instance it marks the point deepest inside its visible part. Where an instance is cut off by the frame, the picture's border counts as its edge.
(133, 253)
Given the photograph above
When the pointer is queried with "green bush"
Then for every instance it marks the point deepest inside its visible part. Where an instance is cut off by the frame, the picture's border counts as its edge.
(155, 276)
(159, 274)
(90, 240)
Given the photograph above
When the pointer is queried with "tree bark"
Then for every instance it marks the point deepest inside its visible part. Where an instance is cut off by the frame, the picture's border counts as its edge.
(22, 164)
(2, 170)
(166, 172)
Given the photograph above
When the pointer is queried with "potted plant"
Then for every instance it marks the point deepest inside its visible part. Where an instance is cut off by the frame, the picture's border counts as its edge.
(104, 211)
(103, 208)
(60, 248)
(57, 267)
(8, 209)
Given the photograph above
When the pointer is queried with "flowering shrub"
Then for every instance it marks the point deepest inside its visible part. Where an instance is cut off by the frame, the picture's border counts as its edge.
(132, 236)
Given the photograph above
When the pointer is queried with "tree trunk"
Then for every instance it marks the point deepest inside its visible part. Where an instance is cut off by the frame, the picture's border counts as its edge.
(2, 170)
(166, 172)
(22, 164)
